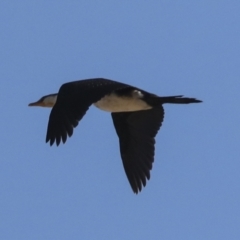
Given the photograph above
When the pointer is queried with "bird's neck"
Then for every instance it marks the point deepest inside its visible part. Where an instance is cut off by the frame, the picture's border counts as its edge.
(50, 100)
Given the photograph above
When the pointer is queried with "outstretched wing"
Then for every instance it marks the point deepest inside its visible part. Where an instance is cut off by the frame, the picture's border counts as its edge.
(74, 99)
(136, 132)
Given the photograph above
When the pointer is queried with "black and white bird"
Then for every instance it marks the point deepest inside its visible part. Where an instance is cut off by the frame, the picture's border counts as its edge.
(137, 116)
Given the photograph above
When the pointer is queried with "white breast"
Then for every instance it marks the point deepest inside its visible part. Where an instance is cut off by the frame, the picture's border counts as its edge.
(115, 103)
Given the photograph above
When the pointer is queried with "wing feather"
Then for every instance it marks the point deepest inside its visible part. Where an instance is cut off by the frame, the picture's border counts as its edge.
(136, 132)
(73, 101)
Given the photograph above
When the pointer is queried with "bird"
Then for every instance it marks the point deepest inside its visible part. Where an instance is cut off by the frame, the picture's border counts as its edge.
(137, 116)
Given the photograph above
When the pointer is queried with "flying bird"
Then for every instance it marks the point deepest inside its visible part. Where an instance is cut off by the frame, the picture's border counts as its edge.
(137, 116)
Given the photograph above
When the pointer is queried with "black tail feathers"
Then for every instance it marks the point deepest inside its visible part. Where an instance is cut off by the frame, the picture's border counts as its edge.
(179, 100)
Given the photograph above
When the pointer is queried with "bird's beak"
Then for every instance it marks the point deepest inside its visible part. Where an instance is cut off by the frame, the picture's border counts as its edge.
(38, 104)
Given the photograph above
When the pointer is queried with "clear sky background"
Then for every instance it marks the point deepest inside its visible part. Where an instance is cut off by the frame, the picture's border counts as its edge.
(79, 190)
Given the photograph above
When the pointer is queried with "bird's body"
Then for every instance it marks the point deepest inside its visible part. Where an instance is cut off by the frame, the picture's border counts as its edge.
(137, 116)
(114, 103)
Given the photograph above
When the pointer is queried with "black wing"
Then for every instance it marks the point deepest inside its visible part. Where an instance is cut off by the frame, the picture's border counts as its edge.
(136, 132)
(74, 99)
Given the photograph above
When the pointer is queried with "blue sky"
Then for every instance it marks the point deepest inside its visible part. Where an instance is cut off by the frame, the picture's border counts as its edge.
(79, 190)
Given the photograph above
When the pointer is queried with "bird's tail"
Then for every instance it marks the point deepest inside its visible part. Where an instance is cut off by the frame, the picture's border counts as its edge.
(178, 100)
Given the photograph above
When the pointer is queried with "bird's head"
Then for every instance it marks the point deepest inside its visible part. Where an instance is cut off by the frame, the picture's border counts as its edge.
(45, 101)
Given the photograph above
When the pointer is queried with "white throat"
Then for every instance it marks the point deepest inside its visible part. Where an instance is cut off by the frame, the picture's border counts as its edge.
(50, 100)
